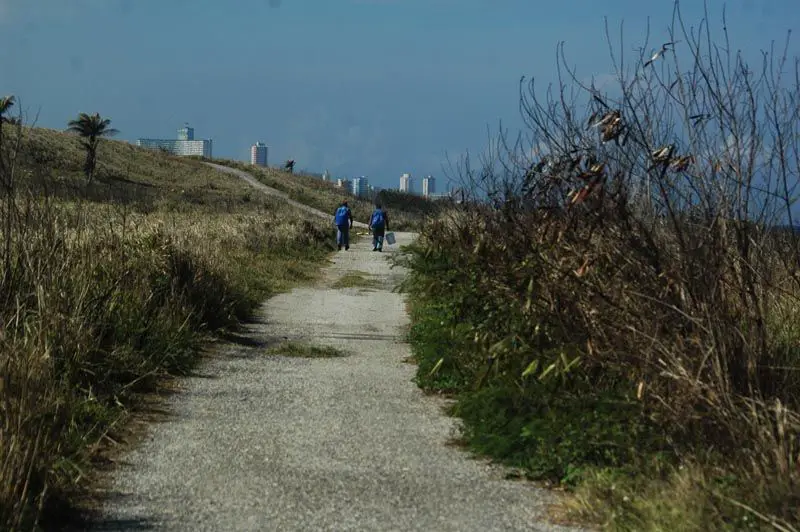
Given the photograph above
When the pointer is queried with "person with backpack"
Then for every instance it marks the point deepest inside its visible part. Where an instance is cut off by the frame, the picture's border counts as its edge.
(378, 224)
(343, 219)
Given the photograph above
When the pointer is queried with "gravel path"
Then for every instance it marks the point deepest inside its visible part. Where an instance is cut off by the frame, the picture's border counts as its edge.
(277, 443)
(265, 442)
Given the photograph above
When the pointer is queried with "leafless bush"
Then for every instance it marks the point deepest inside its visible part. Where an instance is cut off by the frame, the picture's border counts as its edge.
(651, 229)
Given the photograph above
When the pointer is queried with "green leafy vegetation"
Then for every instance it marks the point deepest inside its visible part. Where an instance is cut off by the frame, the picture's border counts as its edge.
(91, 128)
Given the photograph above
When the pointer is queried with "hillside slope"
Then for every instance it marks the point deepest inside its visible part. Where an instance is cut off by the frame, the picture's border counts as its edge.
(53, 162)
(109, 288)
(406, 211)
(258, 185)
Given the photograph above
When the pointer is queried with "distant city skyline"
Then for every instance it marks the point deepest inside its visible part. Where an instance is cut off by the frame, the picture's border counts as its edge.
(455, 69)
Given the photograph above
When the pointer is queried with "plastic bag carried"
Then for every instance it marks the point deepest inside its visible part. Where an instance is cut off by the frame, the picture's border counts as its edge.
(390, 239)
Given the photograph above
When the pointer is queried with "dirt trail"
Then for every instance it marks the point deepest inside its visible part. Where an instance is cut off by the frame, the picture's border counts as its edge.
(255, 183)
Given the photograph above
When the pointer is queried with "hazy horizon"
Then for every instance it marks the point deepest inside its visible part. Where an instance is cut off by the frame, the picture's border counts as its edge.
(356, 87)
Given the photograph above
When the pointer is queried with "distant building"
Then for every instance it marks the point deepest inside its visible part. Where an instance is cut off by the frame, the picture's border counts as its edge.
(428, 186)
(183, 146)
(343, 183)
(360, 187)
(186, 133)
(440, 196)
(258, 154)
(405, 184)
(178, 147)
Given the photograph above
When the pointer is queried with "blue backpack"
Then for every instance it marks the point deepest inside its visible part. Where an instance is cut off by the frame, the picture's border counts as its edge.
(340, 218)
(378, 219)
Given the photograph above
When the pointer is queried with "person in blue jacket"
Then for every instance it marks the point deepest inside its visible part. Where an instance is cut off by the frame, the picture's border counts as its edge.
(378, 224)
(343, 218)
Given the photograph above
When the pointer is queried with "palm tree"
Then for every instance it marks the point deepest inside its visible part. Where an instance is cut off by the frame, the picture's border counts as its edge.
(92, 128)
(6, 103)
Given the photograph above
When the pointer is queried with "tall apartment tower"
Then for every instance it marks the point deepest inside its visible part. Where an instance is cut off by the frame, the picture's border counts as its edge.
(258, 154)
(360, 187)
(186, 133)
(405, 184)
(428, 186)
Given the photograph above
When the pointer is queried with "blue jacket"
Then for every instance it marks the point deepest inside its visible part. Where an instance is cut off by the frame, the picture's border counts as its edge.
(343, 217)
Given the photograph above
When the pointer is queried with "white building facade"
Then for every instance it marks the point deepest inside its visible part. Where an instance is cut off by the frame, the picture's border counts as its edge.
(428, 186)
(406, 184)
(360, 187)
(181, 148)
(184, 145)
(259, 153)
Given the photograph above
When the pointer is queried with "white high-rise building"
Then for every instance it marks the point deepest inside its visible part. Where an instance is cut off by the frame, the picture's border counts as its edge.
(258, 154)
(186, 133)
(360, 187)
(428, 186)
(406, 184)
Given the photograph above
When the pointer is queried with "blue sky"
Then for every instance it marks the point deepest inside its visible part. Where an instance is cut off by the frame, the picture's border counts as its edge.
(360, 87)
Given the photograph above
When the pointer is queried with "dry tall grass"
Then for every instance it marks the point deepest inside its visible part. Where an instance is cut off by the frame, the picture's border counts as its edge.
(628, 293)
(107, 287)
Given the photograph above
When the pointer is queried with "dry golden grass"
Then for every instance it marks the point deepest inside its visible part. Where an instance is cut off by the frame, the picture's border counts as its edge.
(406, 212)
(110, 286)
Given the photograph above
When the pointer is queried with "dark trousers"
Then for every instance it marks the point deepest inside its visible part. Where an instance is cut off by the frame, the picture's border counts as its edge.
(343, 235)
(377, 237)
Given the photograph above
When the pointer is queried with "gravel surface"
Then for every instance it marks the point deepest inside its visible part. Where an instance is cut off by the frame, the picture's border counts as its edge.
(268, 442)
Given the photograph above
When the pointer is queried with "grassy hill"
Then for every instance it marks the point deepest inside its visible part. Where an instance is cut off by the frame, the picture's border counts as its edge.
(53, 161)
(406, 211)
(110, 287)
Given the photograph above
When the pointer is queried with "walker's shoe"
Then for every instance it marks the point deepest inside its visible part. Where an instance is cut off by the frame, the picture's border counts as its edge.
(380, 249)
(340, 248)
(346, 248)
(374, 249)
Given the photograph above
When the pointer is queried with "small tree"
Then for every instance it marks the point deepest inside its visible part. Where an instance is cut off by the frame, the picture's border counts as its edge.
(92, 128)
(6, 103)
